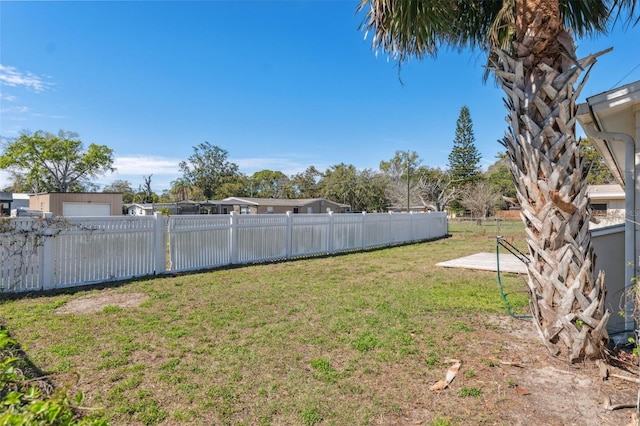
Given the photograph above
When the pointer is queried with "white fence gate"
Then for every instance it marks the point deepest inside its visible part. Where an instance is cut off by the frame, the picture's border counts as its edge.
(44, 255)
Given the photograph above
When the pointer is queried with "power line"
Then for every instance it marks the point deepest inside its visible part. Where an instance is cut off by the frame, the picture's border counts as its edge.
(625, 76)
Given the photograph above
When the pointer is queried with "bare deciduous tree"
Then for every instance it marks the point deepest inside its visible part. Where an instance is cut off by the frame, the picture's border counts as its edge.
(480, 199)
(436, 189)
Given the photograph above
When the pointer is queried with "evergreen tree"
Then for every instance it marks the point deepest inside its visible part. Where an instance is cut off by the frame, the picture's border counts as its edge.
(464, 159)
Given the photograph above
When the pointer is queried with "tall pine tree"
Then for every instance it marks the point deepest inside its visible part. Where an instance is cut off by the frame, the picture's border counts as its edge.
(464, 159)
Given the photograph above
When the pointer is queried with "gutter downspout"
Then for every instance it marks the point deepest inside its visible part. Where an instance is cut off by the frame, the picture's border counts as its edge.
(629, 222)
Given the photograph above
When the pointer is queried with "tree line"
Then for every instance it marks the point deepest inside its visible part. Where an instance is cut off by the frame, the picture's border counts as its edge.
(44, 162)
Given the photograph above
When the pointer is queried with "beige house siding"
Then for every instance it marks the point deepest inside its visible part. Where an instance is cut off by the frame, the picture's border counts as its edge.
(608, 204)
(54, 201)
(608, 245)
(279, 206)
(149, 209)
(308, 208)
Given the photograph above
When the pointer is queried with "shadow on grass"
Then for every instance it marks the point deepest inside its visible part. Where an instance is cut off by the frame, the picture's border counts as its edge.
(29, 371)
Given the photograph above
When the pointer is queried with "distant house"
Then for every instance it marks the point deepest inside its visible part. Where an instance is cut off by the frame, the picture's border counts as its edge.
(11, 202)
(148, 209)
(20, 200)
(73, 204)
(239, 205)
(607, 202)
(6, 199)
(247, 205)
(139, 209)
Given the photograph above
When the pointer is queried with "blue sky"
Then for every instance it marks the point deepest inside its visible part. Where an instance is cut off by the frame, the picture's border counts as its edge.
(280, 85)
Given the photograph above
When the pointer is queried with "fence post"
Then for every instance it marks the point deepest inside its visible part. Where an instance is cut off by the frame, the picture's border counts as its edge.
(389, 237)
(288, 235)
(330, 234)
(411, 227)
(160, 244)
(47, 261)
(364, 229)
(233, 250)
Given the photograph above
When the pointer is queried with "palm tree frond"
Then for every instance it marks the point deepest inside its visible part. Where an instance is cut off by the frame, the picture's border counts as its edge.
(405, 28)
(627, 11)
(585, 17)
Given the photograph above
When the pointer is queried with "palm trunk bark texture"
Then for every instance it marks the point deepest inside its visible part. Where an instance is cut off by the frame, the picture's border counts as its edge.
(567, 300)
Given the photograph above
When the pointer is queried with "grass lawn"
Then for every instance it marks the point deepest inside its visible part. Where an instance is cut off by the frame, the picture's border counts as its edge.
(354, 339)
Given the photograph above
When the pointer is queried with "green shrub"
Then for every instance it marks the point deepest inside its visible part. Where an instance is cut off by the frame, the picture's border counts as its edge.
(24, 404)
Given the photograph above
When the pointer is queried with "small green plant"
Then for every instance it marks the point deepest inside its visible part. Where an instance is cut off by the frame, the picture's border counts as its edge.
(635, 346)
(324, 371)
(432, 359)
(460, 326)
(109, 309)
(465, 392)
(470, 374)
(311, 416)
(512, 383)
(439, 421)
(171, 364)
(366, 342)
(322, 365)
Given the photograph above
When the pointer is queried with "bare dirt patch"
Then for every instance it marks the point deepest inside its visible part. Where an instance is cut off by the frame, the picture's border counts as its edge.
(97, 302)
(522, 385)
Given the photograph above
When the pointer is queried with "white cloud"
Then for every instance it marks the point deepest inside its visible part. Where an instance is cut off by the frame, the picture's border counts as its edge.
(10, 76)
(14, 109)
(4, 179)
(145, 165)
(7, 98)
(135, 168)
(57, 117)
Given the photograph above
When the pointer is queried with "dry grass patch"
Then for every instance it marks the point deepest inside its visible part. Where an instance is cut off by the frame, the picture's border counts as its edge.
(108, 299)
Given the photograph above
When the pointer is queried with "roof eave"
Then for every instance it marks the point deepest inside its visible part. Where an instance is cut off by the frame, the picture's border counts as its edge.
(597, 110)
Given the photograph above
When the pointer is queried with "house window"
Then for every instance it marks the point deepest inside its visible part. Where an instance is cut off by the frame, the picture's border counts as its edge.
(270, 209)
(599, 209)
(244, 210)
(225, 210)
(309, 210)
(295, 210)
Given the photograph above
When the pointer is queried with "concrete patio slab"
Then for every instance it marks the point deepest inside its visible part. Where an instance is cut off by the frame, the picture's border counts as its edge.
(488, 262)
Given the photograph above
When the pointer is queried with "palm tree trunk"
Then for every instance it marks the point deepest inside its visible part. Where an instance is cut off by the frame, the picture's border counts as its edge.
(567, 300)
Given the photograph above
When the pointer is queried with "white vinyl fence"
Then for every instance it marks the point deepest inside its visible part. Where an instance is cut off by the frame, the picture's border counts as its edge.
(40, 254)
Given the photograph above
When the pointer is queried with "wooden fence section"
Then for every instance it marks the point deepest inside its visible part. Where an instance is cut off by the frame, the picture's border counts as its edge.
(43, 255)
